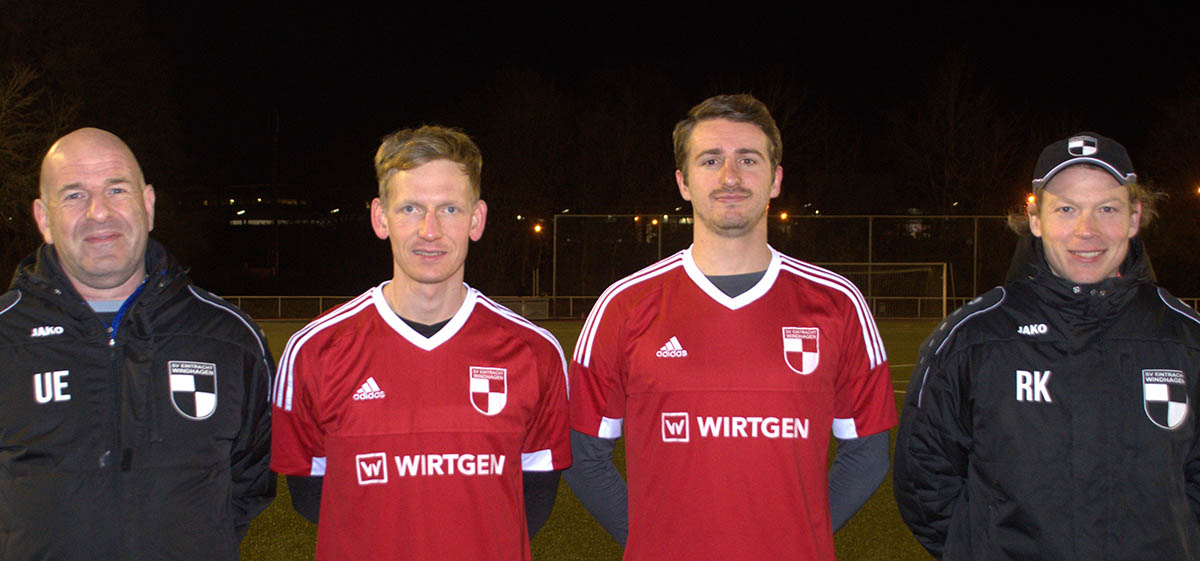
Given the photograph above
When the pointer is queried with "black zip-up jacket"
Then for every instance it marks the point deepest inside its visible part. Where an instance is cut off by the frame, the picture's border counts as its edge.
(1052, 421)
(147, 442)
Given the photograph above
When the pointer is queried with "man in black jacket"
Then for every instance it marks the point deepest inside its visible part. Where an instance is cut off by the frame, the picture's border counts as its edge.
(134, 406)
(1052, 418)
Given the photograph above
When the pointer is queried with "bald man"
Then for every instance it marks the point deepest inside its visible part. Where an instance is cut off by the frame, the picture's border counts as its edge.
(134, 408)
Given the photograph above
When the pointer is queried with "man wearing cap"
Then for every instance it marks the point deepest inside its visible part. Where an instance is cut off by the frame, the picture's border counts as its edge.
(1051, 418)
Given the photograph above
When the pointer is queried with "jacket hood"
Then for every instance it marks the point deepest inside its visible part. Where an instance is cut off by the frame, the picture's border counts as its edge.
(1029, 263)
(43, 269)
(1074, 300)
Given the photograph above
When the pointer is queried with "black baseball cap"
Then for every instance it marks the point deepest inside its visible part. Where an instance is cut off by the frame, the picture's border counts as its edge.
(1083, 148)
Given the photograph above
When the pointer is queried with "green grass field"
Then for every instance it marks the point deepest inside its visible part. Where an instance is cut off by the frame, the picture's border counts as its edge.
(875, 533)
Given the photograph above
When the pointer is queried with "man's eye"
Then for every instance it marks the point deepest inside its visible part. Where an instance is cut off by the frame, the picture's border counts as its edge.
(451, 210)
(408, 209)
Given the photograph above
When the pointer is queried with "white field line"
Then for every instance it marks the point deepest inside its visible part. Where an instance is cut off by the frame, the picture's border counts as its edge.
(894, 378)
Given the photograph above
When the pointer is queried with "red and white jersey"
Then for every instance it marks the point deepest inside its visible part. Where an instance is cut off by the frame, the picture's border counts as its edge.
(421, 441)
(727, 404)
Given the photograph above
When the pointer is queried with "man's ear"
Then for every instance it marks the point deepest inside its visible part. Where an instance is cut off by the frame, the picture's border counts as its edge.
(42, 218)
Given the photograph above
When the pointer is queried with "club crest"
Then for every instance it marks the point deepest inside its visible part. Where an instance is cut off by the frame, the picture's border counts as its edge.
(1081, 146)
(193, 388)
(801, 348)
(1166, 397)
(489, 389)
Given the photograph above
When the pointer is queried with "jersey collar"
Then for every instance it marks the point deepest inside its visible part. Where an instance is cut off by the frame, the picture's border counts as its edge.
(410, 334)
(757, 291)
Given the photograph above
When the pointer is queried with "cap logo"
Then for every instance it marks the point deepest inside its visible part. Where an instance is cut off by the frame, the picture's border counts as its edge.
(1081, 146)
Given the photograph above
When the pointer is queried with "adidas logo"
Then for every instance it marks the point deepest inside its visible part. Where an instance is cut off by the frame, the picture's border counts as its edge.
(369, 390)
(671, 350)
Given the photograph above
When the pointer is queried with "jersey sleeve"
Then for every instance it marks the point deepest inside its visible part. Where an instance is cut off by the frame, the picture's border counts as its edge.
(547, 445)
(597, 383)
(297, 437)
(864, 402)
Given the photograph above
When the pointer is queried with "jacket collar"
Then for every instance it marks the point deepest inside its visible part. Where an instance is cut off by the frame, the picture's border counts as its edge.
(42, 272)
(1029, 267)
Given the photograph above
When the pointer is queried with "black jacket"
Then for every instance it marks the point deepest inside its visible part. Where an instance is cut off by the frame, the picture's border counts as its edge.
(110, 444)
(1050, 421)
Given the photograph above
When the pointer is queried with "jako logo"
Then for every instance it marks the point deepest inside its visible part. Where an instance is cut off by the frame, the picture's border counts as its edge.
(46, 330)
(675, 427)
(1033, 329)
(372, 468)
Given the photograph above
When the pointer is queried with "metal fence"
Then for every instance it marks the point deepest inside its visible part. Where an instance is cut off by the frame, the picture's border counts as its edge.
(592, 251)
(304, 308)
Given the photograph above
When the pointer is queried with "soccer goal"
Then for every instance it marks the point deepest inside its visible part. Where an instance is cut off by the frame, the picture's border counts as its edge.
(899, 290)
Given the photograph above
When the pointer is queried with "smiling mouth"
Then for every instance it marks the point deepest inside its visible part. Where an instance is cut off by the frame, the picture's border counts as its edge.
(429, 252)
(102, 238)
(1088, 254)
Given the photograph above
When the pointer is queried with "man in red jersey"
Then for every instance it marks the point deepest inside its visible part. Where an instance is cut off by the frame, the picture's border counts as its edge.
(726, 366)
(421, 420)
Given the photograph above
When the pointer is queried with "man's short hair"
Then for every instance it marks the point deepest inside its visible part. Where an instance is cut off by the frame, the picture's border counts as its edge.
(406, 149)
(740, 108)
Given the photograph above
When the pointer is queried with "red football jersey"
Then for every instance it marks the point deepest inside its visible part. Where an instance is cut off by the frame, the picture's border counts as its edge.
(421, 441)
(727, 404)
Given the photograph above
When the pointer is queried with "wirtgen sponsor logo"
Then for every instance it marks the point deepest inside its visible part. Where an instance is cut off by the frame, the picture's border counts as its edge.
(373, 467)
(677, 427)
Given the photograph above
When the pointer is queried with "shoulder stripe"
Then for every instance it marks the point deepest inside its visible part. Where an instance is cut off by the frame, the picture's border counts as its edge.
(521, 321)
(876, 353)
(950, 335)
(583, 348)
(1186, 312)
(285, 380)
(14, 303)
(229, 309)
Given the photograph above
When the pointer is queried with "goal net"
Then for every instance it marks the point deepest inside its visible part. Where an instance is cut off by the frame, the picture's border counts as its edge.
(899, 290)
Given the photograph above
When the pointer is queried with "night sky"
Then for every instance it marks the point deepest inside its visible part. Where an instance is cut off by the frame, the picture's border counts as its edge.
(573, 105)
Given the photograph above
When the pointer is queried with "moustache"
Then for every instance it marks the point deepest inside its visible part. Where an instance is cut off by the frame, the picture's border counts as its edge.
(735, 190)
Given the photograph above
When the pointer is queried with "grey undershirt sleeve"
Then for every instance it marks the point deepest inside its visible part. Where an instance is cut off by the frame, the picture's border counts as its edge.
(857, 470)
(541, 488)
(595, 480)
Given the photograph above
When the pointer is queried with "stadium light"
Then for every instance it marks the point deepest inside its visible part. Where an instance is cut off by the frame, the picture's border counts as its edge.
(1030, 199)
(654, 222)
(335, 211)
(537, 228)
(783, 215)
(241, 212)
(637, 218)
(519, 217)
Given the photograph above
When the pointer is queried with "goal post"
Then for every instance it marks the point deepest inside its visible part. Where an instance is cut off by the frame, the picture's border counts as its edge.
(899, 290)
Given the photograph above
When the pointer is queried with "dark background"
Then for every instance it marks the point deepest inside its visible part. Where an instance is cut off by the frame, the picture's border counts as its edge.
(931, 110)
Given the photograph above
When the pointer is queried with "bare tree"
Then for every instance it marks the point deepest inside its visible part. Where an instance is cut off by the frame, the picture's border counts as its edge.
(30, 119)
(959, 144)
